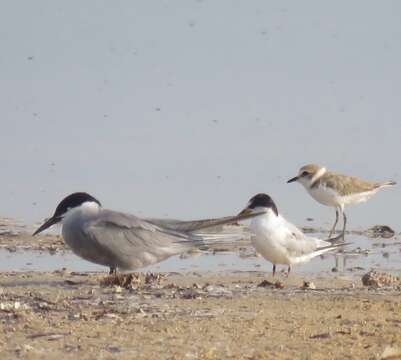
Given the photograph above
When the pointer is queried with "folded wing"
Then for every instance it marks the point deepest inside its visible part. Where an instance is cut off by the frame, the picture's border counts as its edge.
(133, 242)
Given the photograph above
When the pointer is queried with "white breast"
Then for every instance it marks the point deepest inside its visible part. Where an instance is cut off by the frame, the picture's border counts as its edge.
(266, 240)
(325, 195)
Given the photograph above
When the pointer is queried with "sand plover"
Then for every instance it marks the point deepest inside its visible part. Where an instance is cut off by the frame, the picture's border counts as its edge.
(335, 190)
(279, 241)
(124, 241)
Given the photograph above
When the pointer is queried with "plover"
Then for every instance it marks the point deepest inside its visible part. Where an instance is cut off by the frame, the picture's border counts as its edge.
(124, 241)
(279, 241)
(335, 190)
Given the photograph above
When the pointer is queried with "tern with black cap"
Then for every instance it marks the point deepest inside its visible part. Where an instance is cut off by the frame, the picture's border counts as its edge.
(279, 241)
(124, 241)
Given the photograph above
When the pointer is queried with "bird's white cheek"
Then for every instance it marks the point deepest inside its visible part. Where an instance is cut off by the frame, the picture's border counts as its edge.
(303, 181)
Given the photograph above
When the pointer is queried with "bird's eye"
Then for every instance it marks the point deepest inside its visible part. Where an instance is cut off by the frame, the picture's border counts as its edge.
(305, 173)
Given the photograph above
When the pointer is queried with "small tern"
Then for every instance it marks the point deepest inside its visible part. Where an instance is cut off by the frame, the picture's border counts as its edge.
(279, 241)
(124, 241)
(335, 190)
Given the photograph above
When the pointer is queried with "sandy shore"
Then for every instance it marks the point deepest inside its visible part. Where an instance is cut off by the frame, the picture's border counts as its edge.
(188, 315)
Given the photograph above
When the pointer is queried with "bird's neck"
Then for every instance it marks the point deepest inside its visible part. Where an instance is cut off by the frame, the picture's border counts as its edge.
(314, 181)
(85, 210)
(318, 175)
(267, 220)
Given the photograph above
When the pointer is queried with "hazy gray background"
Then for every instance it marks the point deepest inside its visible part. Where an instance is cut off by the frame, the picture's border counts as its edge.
(188, 108)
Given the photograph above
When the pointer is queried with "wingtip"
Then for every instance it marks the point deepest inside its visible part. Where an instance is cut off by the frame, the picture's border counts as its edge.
(334, 246)
(388, 183)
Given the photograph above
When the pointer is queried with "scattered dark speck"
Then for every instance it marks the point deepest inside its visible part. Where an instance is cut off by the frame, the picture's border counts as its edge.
(157, 109)
(30, 57)
(114, 349)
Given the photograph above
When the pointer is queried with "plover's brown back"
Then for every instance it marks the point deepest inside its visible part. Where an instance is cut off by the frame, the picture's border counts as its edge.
(348, 185)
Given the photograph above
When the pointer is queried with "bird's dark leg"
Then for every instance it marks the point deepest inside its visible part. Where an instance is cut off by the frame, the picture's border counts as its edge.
(345, 223)
(333, 229)
(274, 269)
(289, 270)
(113, 270)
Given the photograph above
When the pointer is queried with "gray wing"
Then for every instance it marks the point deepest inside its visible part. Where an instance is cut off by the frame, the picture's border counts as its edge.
(196, 225)
(132, 242)
(298, 234)
(298, 244)
(210, 232)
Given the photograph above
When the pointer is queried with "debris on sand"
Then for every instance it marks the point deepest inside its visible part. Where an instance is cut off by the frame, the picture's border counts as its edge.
(132, 280)
(325, 335)
(50, 336)
(308, 285)
(190, 293)
(269, 284)
(391, 353)
(127, 281)
(188, 314)
(377, 279)
(13, 306)
(380, 231)
(154, 278)
(217, 291)
(206, 291)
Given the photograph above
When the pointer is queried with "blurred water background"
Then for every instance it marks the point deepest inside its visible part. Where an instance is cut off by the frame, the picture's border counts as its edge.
(187, 109)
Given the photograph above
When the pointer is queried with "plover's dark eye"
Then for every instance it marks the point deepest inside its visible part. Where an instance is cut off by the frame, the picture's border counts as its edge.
(305, 173)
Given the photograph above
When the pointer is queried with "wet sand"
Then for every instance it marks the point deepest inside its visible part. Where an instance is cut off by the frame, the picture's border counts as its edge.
(193, 315)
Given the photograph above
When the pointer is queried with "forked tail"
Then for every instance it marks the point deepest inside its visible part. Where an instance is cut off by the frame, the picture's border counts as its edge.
(319, 251)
